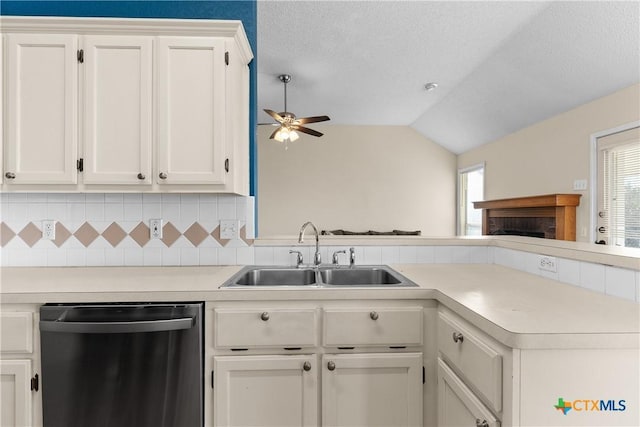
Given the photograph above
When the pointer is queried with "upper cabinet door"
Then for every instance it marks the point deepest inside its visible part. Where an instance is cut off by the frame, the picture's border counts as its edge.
(42, 104)
(117, 109)
(191, 110)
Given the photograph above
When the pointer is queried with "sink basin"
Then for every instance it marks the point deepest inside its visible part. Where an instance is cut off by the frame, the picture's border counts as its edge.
(360, 276)
(264, 276)
(324, 277)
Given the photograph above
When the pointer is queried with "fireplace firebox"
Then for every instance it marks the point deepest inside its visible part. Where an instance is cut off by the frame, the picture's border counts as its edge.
(550, 216)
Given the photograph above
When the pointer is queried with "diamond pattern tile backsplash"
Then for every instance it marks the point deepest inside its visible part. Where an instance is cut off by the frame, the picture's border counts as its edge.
(113, 229)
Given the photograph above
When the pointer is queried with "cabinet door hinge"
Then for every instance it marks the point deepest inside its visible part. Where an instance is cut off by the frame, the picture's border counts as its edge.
(226, 58)
(80, 165)
(35, 383)
(424, 376)
(212, 380)
(80, 56)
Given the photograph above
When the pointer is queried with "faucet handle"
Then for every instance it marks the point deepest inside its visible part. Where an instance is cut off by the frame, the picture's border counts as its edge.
(352, 257)
(335, 256)
(299, 259)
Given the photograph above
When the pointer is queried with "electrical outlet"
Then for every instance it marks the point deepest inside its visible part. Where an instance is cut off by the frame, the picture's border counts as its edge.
(155, 228)
(547, 263)
(49, 229)
(229, 229)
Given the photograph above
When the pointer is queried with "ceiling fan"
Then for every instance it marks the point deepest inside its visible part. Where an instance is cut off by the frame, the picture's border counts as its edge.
(290, 125)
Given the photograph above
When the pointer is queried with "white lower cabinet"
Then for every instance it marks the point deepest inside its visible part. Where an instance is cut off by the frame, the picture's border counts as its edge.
(20, 404)
(372, 389)
(16, 405)
(266, 390)
(270, 368)
(474, 375)
(457, 405)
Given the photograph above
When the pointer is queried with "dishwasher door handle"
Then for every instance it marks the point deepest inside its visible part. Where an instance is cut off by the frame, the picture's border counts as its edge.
(117, 327)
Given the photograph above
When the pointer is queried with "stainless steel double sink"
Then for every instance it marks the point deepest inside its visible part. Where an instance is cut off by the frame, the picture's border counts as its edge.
(321, 277)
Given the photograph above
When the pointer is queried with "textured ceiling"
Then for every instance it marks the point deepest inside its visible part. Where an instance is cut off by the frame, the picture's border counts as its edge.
(500, 66)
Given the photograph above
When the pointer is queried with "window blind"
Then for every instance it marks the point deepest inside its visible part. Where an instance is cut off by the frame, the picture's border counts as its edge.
(620, 184)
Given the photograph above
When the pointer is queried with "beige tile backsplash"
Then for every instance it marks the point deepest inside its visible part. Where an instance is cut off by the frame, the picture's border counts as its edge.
(113, 229)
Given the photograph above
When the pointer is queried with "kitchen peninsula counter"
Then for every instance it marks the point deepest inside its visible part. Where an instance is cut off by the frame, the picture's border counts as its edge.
(520, 310)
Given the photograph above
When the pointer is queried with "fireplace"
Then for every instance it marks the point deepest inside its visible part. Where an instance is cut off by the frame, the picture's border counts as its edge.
(550, 216)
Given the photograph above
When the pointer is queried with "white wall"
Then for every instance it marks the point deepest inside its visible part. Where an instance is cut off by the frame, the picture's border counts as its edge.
(356, 178)
(548, 156)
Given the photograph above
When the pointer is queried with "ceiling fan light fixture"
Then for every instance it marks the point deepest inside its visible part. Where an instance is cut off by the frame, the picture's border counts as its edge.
(286, 135)
(290, 125)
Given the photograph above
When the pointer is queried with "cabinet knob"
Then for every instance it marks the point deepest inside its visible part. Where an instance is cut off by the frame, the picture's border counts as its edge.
(457, 337)
(306, 366)
(374, 315)
(264, 316)
(331, 365)
(481, 423)
(141, 176)
(10, 175)
(163, 175)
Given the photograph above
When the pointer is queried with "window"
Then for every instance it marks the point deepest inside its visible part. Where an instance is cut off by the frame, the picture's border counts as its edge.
(470, 189)
(618, 176)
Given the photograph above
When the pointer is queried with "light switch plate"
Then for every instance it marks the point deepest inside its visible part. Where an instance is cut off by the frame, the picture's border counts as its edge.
(580, 184)
(229, 229)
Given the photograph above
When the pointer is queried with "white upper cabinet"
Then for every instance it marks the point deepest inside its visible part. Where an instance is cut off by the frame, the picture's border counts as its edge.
(103, 104)
(41, 109)
(118, 109)
(191, 110)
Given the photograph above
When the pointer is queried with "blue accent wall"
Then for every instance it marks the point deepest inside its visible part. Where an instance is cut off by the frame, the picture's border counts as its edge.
(243, 10)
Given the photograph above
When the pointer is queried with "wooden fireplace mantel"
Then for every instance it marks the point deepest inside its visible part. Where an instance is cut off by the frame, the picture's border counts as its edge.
(560, 207)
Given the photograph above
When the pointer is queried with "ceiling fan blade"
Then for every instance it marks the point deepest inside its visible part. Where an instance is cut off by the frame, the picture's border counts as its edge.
(275, 115)
(306, 130)
(314, 119)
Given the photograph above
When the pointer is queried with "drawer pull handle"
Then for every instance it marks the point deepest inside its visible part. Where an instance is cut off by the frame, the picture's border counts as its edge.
(374, 315)
(307, 366)
(481, 423)
(162, 175)
(457, 337)
(331, 365)
(141, 176)
(264, 316)
(10, 175)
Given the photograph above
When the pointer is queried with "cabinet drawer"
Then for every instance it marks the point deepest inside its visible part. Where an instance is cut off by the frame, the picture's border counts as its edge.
(472, 357)
(457, 405)
(373, 327)
(265, 328)
(17, 332)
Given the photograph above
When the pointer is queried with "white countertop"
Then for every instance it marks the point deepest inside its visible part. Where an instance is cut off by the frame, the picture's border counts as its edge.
(520, 310)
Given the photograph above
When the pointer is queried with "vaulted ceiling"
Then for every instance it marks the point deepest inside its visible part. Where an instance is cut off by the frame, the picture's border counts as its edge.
(500, 65)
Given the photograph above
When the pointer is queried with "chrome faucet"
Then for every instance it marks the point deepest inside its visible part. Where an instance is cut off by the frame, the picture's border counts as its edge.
(317, 259)
(352, 257)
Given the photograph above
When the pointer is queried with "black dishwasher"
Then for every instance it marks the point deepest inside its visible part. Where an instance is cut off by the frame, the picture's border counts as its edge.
(122, 365)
